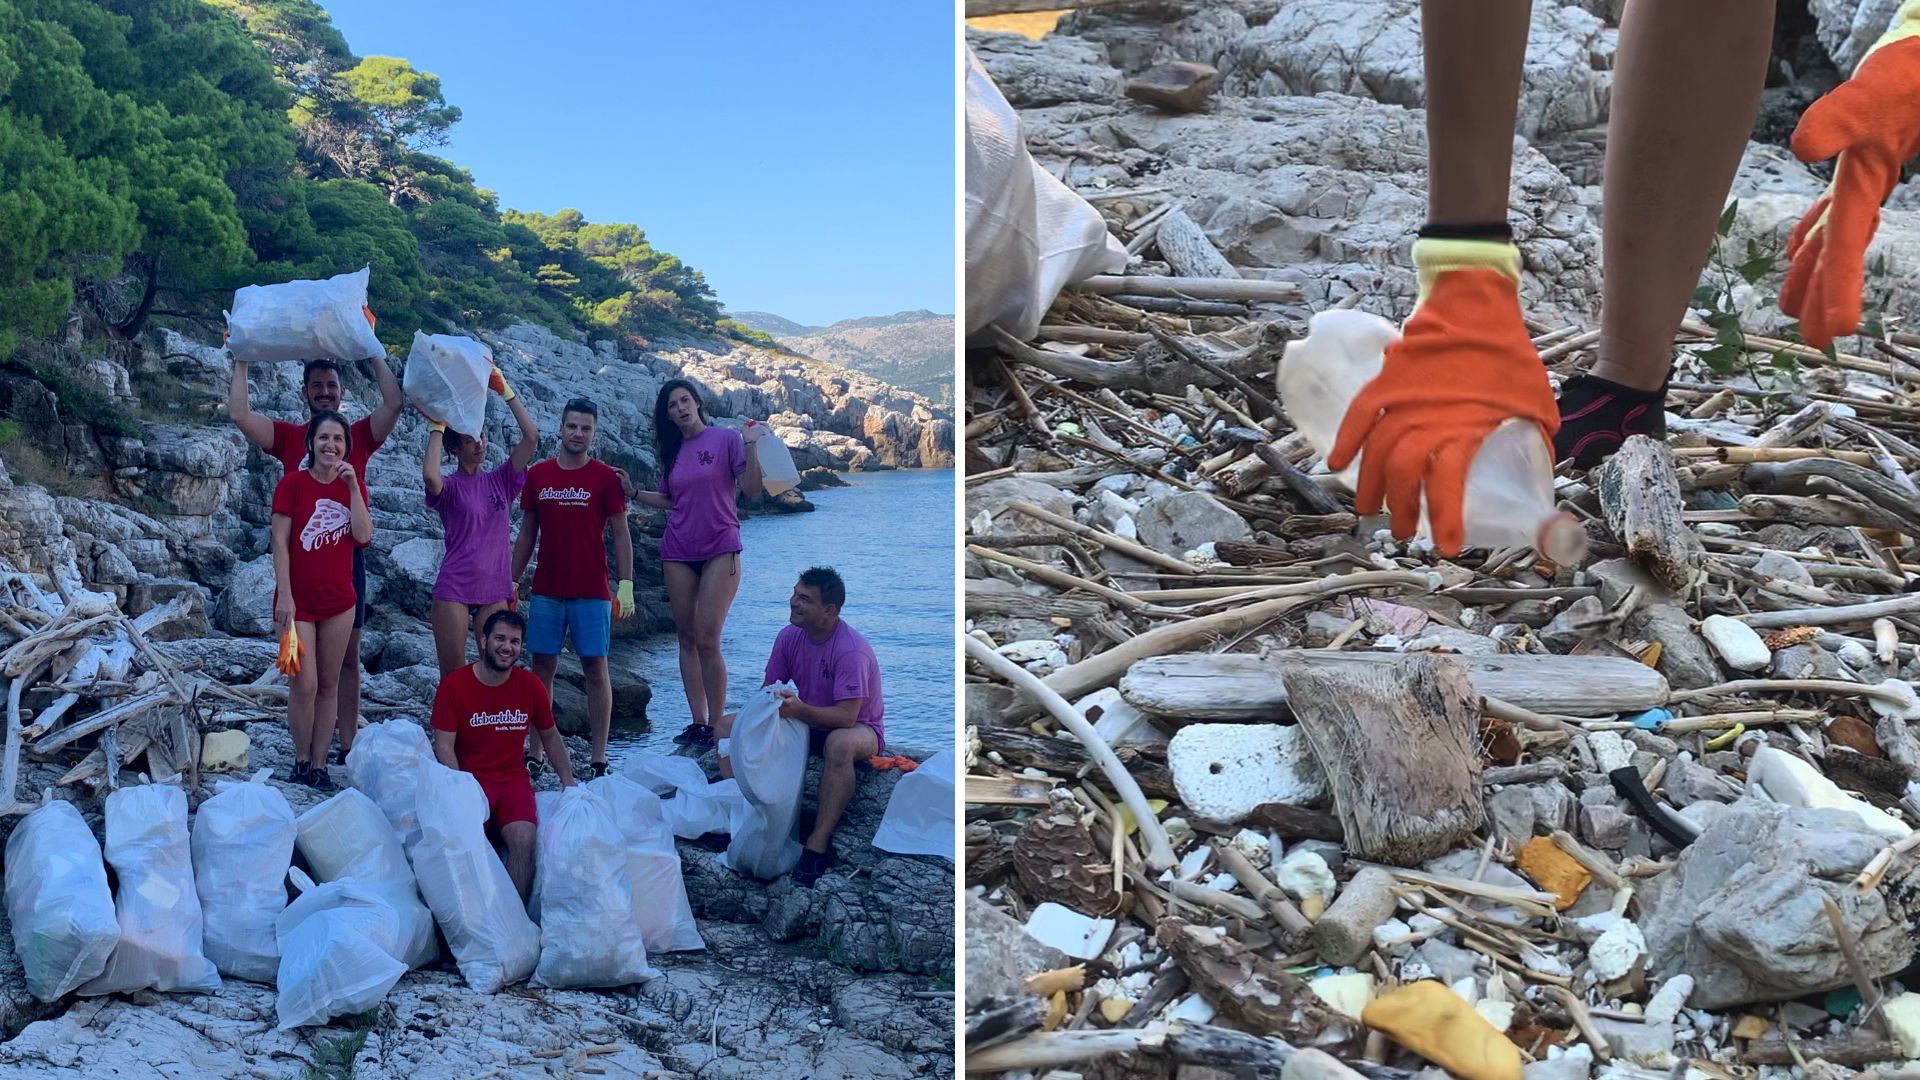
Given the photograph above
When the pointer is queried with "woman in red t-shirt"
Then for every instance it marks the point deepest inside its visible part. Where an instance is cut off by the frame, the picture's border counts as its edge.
(319, 517)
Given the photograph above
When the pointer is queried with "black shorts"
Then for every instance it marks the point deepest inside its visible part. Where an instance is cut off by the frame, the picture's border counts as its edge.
(359, 587)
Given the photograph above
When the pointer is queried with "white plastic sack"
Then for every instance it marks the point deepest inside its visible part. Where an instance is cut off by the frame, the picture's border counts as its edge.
(64, 927)
(386, 762)
(304, 320)
(659, 888)
(339, 945)
(493, 941)
(777, 471)
(663, 773)
(348, 836)
(715, 808)
(447, 378)
(919, 817)
(158, 906)
(769, 756)
(588, 936)
(1028, 234)
(242, 846)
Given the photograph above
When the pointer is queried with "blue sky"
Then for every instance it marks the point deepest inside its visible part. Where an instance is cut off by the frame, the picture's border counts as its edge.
(799, 155)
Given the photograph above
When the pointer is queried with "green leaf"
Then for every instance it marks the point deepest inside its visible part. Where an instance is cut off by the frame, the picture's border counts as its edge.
(1706, 296)
(1727, 216)
(1755, 268)
(1723, 358)
(1831, 352)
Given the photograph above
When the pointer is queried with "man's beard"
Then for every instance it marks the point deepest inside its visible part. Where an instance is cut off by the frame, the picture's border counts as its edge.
(494, 665)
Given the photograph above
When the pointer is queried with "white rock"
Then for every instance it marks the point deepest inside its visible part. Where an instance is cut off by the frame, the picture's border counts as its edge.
(1223, 771)
(1069, 931)
(1497, 1013)
(1613, 953)
(1026, 652)
(1388, 932)
(1665, 1004)
(1856, 656)
(1304, 873)
(1909, 706)
(1194, 861)
(1467, 989)
(1257, 849)
(1903, 1022)
(1193, 1010)
(1347, 994)
(1610, 750)
(1736, 642)
(1777, 775)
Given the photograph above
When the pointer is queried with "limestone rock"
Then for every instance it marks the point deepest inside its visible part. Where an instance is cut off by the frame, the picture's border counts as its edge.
(1736, 642)
(246, 607)
(1056, 69)
(1176, 86)
(1176, 524)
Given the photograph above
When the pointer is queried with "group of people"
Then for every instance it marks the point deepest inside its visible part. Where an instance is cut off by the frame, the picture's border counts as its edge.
(491, 717)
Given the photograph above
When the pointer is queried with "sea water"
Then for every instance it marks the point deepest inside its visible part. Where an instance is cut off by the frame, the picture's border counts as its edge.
(890, 535)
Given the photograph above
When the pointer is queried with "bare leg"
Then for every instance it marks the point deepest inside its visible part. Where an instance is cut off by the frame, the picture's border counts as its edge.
(717, 586)
(845, 746)
(723, 729)
(1680, 121)
(449, 634)
(333, 637)
(683, 588)
(302, 690)
(519, 836)
(347, 699)
(599, 702)
(1474, 53)
(543, 668)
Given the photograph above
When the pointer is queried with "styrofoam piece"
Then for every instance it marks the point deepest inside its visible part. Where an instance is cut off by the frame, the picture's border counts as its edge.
(1079, 936)
(1347, 994)
(1304, 873)
(1666, 1002)
(1223, 771)
(1613, 953)
(1777, 775)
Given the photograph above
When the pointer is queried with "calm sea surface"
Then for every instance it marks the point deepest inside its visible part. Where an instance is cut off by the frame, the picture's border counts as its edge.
(890, 535)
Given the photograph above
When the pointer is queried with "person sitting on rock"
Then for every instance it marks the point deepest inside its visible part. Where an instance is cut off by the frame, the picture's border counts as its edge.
(836, 693)
(565, 508)
(286, 443)
(700, 465)
(475, 575)
(483, 714)
(319, 514)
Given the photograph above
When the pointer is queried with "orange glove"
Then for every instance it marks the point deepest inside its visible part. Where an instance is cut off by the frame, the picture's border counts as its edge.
(498, 384)
(290, 653)
(1464, 365)
(1872, 122)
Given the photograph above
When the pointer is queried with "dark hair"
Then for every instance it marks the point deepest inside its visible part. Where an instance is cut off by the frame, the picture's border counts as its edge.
(580, 405)
(452, 440)
(317, 365)
(511, 618)
(323, 416)
(823, 578)
(666, 433)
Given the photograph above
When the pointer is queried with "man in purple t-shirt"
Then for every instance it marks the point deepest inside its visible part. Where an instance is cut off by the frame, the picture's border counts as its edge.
(837, 680)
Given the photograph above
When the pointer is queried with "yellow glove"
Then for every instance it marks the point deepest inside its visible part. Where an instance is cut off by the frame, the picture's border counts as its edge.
(498, 384)
(623, 607)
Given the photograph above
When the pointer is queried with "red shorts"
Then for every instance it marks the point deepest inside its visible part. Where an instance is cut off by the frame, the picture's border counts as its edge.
(509, 803)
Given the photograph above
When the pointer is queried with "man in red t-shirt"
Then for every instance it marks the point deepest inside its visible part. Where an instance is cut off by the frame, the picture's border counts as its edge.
(565, 509)
(482, 715)
(286, 443)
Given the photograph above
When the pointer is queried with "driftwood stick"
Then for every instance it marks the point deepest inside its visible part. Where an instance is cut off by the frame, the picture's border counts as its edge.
(1244, 290)
(1106, 539)
(1833, 616)
(1186, 248)
(1794, 478)
(1284, 913)
(1058, 578)
(1850, 950)
(1640, 498)
(103, 718)
(1047, 1049)
(1311, 495)
(1789, 686)
(1411, 579)
(1818, 510)
(1192, 356)
(1159, 852)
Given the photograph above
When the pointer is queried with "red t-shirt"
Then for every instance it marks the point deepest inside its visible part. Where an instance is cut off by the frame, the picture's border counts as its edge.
(290, 449)
(574, 505)
(489, 723)
(320, 544)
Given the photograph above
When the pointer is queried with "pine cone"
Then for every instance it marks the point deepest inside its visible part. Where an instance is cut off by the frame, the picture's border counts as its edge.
(1056, 860)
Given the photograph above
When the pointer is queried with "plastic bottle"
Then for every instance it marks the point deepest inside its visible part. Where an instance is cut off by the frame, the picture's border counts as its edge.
(777, 471)
(1509, 495)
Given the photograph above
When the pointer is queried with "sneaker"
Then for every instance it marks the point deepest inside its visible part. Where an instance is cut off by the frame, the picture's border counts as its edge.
(1597, 415)
(535, 767)
(714, 841)
(695, 735)
(338, 756)
(598, 769)
(812, 864)
(318, 780)
(298, 774)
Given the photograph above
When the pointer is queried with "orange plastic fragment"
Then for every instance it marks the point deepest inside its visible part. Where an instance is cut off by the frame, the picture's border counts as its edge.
(1553, 870)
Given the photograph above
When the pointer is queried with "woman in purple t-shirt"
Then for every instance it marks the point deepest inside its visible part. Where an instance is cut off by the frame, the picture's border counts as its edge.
(700, 465)
(475, 577)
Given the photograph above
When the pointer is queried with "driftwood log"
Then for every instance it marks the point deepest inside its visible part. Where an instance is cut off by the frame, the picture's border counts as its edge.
(1399, 746)
(1061, 757)
(1186, 248)
(1244, 687)
(1640, 498)
(1815, 476)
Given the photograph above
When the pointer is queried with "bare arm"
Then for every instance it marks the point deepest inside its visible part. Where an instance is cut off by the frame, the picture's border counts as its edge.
(358, 519)
(257, 428)
(622, 548)
(557, 755)
(645, 498)
(841, 714)
(443, 748)
(523, 544)
(383, 419)
(430, 465)
(523, 451)
(282, 570)
(750, 480)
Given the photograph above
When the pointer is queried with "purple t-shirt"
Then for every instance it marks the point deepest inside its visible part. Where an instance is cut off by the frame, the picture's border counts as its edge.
(841, 667)
(702, 523)
(473, 514)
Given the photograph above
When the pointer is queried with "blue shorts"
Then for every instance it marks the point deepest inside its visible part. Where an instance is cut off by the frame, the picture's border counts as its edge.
(551, 621)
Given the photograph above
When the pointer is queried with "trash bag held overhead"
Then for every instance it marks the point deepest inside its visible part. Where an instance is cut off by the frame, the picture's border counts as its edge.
(447, 377)
(297, 321)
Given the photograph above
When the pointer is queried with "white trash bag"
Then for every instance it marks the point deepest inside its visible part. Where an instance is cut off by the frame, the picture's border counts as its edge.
(447, 378)
(64, 927)
(919, 817)
(663, 773)
(339, 946)
(158, 905)
(493, 941)
(348, 836)
(719, 807)
(242, 845)
(769, 755)
(304, 320)
(386, 762)
(659, 888)
(777, 471)
(1028, 234)
(588, 934)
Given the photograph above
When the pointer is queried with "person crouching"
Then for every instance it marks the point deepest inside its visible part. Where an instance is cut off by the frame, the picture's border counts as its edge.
(482, 714)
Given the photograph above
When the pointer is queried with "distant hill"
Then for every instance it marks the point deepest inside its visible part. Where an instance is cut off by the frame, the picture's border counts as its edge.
(912, 350)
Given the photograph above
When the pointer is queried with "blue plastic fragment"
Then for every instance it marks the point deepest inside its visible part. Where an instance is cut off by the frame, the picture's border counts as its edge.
(1651, 719)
